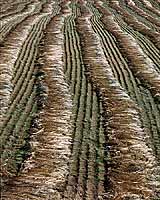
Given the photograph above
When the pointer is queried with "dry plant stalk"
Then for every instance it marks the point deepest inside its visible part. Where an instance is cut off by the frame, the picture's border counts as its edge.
(131, 162)
(142, 66)
(44, 173)
(8, 55)
(153, 35)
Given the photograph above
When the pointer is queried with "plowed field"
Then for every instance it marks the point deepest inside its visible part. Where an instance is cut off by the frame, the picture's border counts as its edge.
(80, 99)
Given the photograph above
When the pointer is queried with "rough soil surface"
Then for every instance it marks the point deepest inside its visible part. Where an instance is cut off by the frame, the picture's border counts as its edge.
(80, 100)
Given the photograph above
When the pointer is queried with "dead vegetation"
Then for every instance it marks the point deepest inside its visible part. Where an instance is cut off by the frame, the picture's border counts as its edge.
(129, 155)
(80, 100)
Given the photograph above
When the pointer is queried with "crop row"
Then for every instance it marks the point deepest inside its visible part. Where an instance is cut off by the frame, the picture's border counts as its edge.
(148, 8)
(142, 16)
(12, 21)
(86, 177)
(11, 50)
(12, 9)
(22, 105)
(132, 21)
(122, 119)
(127, 80)
(98, 135)
(147, 72)
(47, 168)
(146, 44)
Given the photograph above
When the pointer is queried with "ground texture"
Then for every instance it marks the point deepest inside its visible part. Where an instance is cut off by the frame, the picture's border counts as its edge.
(80, 99)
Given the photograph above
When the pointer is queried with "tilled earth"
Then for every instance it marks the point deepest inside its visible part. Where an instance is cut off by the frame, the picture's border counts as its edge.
(80, 99)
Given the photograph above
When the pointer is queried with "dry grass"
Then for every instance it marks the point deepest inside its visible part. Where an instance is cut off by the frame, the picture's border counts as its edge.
(131, 160)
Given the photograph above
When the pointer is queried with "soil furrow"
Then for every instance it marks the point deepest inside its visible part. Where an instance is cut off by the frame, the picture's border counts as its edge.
(145, 44)
(82, 178)
(153, 22)
(52, 141)
(10, 52)
(17, 114)
(139, 17)
(24, 78)
(80, 99)
(131, 87)
(92, 180)
(101, 79)
(16, 20)
(133, 22)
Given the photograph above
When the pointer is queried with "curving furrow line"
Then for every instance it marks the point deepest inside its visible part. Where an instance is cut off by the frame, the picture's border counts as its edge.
(110, 47)
(16, 116)
(11, 50)
(151, 7)
(150, 75)
(138, 16)
(21, 101)
(18, 8)
(120, 116)
(46, 169)
(141, 12)
(86, 176)
(10, 8)
(148, 47)
(155, 4)
(79, 99)
(148, 9)
(129, 22)
(133, 22)
(25, 70)
(124, 75)
(13, 21)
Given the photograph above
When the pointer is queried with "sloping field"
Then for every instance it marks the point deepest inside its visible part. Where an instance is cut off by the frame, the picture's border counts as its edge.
(80, 99)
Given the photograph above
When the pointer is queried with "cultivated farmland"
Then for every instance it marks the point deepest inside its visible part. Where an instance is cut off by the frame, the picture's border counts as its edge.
(80, 99)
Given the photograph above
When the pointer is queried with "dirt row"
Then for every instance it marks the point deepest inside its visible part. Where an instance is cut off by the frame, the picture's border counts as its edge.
(80, 100)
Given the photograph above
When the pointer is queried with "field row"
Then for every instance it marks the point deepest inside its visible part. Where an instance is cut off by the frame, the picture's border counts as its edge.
(80, 99)
(21, 104)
